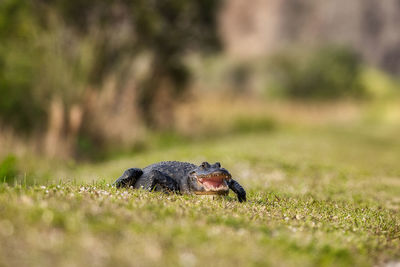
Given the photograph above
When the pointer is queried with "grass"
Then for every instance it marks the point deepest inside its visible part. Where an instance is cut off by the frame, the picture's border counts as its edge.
(317, 196)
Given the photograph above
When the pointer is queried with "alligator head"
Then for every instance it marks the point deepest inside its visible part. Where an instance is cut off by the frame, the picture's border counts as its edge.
(208, 179)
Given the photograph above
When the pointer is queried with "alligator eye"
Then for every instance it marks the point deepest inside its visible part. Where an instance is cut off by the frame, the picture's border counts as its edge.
(218, 164)
(205, 165)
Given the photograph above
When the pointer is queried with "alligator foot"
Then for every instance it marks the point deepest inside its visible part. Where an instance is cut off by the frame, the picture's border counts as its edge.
(158, 179)
(128, 178)
(238, 189)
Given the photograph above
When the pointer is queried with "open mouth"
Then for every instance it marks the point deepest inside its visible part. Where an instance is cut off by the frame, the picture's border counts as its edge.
(214, 183)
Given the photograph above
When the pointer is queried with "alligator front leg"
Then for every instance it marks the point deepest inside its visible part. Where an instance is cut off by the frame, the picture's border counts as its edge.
(128, 178)
(238, 189)
(157, 179)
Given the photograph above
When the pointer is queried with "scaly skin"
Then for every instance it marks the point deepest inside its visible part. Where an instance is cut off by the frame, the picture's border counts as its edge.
(182, 177)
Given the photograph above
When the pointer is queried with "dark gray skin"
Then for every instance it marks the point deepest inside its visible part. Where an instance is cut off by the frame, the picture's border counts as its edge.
(183, 178)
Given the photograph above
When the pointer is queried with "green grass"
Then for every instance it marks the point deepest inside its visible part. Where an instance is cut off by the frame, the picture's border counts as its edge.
(317, 196)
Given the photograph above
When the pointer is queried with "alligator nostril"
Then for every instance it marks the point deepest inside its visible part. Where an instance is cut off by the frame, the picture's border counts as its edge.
(218, 164)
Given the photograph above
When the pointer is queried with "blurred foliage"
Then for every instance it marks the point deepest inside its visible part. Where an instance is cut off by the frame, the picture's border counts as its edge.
(68, 68)
(63, 47)
(328, 73)
(254, 124)
(8, 169)
(379, 84)
(20, 106)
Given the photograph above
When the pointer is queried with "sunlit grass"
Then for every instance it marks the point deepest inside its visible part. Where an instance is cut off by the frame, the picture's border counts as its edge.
(316, 196)
(60, 224)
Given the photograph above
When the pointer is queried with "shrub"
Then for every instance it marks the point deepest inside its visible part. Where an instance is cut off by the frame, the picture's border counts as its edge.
(327, 73)
(8, 169)
(19, 104)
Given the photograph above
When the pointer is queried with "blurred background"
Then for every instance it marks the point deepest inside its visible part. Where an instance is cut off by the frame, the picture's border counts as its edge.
(84, 81)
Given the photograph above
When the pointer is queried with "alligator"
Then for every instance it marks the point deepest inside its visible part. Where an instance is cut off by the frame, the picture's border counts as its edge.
(182, 178)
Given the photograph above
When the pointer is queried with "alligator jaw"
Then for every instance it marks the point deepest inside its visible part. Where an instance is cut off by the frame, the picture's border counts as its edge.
(214, 184)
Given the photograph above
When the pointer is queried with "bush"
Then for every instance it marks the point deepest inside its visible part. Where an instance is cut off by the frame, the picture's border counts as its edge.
(8, 169)
(328, 73)
(19, 105)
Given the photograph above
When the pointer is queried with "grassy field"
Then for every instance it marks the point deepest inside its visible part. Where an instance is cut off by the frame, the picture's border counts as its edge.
(317, 196)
